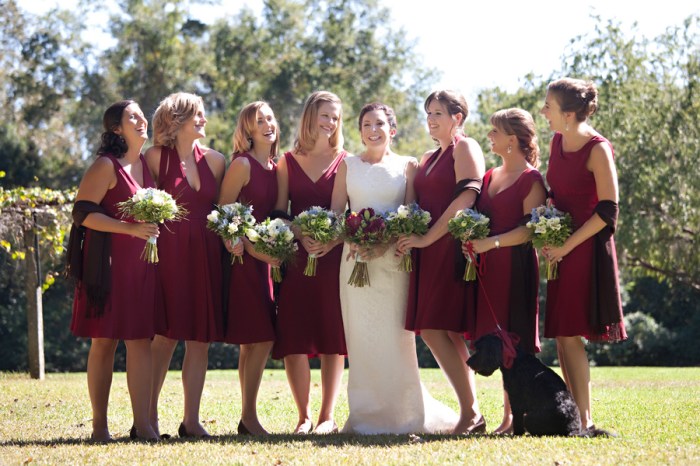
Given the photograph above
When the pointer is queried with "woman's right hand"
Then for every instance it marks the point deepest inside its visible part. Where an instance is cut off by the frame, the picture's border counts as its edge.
(250, 249)
(237, 249)
(143, 230)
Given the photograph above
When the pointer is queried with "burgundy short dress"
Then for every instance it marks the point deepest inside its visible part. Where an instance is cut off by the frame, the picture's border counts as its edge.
(251, 311)
(438, 296)
(129, 312)
(573, 298)
(190, 255)
(309, 320)
(508, 286)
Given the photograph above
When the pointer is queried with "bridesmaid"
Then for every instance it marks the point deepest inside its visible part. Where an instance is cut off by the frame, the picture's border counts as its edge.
(251, 179)
(585, 300)
(447, 181)
(507, 294)
(190, 254)
(115, 296)
(309, 321)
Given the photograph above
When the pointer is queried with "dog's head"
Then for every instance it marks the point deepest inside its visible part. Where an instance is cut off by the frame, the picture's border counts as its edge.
(488, 356)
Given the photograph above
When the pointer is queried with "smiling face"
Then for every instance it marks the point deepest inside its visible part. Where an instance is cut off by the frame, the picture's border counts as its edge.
(499, 140)
(194, 127)
(441, 124)
(553, 114)
(265, 130)
(328, 118)
(134, 126)
(376, 131)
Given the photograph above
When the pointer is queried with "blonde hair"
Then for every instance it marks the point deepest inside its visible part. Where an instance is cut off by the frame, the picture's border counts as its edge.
(519, 123)
(171, 114)
(307, 134)
(247, 123)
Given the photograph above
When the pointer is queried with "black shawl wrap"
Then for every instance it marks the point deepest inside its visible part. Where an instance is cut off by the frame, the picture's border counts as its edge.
(89, 267)
(466, 184)
(606, 306)
(524, 284)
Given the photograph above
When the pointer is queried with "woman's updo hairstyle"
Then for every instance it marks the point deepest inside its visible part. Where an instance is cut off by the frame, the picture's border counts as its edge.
(519, 123)
(388, 111)
(112, 143)
(454, 102)
(575, 95)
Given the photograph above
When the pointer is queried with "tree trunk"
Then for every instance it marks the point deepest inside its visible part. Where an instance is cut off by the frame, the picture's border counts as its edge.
(35, 318)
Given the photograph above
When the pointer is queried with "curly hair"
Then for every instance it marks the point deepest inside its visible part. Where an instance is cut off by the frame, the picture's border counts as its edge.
(171, 114)
(110, 142)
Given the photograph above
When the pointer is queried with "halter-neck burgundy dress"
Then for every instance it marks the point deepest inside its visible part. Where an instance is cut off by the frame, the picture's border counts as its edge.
(129, 312)
(251, 310)
(309, 320)
(190, 254)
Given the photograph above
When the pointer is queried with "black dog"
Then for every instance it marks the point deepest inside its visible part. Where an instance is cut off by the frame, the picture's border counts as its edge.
(541, 403)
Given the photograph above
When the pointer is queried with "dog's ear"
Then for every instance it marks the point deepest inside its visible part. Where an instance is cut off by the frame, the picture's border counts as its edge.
(479, 362)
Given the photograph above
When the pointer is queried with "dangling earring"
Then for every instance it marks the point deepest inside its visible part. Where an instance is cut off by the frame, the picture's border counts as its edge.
(510, 149)
(566, 128)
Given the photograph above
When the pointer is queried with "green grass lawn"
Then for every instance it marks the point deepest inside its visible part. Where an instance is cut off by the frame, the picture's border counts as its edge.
(654, 411)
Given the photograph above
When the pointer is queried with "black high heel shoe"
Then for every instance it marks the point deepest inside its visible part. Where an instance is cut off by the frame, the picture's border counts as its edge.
(134, 435)
(182, 432)
(242, 429)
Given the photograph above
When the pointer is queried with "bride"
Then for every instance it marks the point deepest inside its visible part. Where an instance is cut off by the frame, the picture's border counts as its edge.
(385, 394)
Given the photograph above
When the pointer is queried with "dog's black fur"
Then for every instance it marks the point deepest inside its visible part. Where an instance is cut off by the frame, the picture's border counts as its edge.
(539, 399)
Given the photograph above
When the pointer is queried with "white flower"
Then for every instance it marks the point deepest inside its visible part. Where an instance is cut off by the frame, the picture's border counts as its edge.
(402, 211)
(139, 195)
(213, 216)
(252, 235)
(540, 229)
(288, 235)
(233, 228)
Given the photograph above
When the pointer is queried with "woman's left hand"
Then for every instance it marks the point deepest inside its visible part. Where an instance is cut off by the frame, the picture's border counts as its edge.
(554, 254)
(478, 245)
(407, 242)
(372, 252)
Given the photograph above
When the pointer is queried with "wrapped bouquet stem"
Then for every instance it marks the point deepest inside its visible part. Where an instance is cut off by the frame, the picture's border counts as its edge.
(407, 220)
(153, 206)
(467, 225)
(231, 222)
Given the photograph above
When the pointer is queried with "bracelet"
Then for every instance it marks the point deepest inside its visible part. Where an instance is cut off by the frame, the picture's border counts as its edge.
(497, 242)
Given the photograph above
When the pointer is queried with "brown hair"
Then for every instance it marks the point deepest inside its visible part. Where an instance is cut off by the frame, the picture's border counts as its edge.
(575, 95)
(388, 111)
(307, 133)
(111, 142)
(171, 114)
(454, 102)
(519, 123)
(247, 123)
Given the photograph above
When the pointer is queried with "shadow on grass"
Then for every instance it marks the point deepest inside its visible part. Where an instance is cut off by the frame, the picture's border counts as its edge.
(272, 439)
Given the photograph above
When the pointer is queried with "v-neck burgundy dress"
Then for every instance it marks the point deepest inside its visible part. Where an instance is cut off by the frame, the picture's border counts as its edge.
(309, 320)
(129, 312)
(438, 297)
(571, 297)
(190, 255)
(510, 275)
(251, 311)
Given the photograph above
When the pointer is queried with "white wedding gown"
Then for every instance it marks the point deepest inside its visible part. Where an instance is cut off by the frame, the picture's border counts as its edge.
(385, 394)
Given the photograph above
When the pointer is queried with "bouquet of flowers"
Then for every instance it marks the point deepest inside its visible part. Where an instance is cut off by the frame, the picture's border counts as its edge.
(364, 228)
(466, 225)
(407, 220)
(231, 222)
(550, 227)
(273, 238)
(153, 206)
(320, 224)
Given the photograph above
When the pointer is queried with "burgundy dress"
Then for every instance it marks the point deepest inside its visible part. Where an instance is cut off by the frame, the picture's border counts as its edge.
(499, 289)
(569, 298)
(129, 313)
(190, 255)
(438, 296)
(251, 311)
(309, 320)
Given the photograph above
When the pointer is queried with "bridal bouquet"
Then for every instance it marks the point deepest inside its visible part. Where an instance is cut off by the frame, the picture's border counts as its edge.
(364, 228)
(273, 238)
(153, 206)
(231, 222)
(551, 227)
(407, 220)
(466, 225)
(320, 224)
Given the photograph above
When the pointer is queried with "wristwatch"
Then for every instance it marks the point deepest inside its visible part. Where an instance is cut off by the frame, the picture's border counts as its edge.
(497, 242)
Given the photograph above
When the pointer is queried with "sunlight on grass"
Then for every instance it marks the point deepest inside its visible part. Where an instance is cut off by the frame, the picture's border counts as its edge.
(654, 411)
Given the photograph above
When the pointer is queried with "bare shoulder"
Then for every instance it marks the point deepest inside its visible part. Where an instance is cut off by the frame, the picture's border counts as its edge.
(467, 145)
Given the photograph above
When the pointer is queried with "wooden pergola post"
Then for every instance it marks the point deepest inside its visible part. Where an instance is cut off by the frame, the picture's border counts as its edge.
(35, 313)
